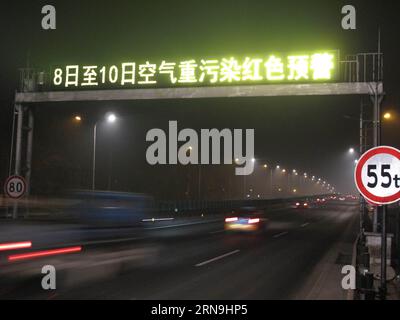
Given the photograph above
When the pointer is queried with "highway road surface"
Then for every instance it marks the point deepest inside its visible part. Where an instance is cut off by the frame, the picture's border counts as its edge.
(299, 256)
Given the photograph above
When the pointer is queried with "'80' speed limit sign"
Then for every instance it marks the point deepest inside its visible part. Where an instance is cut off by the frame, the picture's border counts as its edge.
(15, 187)
(377, 175)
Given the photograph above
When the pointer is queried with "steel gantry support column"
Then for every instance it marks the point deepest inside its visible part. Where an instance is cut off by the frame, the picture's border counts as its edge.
(29, 147)
(18, 144)
(24, 137)
(18, 149)
(380, 210)
(376, 99)
(23, 160)
(362, 200)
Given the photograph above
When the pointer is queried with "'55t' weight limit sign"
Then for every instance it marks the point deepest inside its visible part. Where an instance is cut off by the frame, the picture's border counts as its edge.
(377, 175)
(15, 187)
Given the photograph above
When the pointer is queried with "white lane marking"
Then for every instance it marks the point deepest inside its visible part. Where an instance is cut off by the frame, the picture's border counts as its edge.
(184, 224)
(157, 219)
(305, 224)
(216, 258)
(281, 234)
(218, 231)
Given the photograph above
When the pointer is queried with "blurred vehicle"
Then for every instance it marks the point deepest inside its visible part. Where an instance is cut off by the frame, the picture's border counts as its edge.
(246, 219)
(109, 208)
(302, 204)
(77, 237)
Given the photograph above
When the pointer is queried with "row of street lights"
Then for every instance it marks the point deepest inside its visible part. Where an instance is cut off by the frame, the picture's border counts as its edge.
(318, 181)
(111, 118)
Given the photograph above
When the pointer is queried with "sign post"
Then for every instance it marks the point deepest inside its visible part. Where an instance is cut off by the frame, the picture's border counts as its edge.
(377, 177)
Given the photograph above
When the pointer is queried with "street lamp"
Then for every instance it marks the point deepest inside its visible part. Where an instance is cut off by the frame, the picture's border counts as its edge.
(351, 150)
(244, 179)
(387, 115)
(110, 118)
(78, 118)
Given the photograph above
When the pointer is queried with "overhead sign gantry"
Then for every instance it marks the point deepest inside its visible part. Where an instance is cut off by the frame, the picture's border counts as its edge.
(312, 73)
(262, 75)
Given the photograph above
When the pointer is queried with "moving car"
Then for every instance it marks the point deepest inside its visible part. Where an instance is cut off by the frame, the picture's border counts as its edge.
(246, 219)
(108, 208)
(302, 204)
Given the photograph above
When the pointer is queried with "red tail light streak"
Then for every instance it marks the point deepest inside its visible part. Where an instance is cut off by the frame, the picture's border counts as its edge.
(44, 253)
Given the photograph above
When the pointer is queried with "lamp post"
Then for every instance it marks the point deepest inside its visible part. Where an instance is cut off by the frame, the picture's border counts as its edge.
(111, 118)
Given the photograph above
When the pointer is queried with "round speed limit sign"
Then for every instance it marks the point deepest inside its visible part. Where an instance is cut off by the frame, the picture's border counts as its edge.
(377, 175)
(15, 187)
